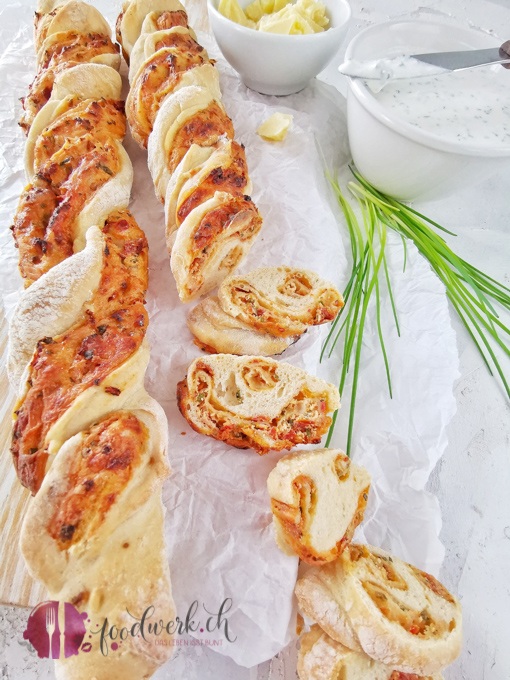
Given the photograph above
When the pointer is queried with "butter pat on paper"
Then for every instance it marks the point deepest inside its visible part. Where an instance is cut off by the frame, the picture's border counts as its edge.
(275, 128)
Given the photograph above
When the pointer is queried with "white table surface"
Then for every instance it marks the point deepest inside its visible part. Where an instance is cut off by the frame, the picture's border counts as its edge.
(471, 481)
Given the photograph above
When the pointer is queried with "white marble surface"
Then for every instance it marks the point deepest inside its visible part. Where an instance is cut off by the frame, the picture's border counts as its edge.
(472, 479)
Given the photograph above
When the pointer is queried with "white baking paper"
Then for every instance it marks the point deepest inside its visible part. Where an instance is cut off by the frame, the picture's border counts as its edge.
(218, 523)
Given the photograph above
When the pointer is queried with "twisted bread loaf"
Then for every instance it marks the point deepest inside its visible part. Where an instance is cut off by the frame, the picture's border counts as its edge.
(263, 312)
(67, 32)
(254, 402)
(318, 498)
(393, 612)
(322, 658)
(88, 441)
(174, 109)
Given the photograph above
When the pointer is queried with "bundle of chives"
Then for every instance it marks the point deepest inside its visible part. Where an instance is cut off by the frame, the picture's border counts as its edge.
(472, 293)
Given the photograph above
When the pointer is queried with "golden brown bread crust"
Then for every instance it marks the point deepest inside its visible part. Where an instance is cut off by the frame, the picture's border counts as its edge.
(71, 49)
(88, 440)
(205, 128)
(159, 76)
(232, 177)
(111, 330)
(104, 463)
(172, 106)
(74, 156)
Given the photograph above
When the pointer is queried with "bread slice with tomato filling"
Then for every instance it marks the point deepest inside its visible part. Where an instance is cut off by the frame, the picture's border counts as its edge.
(322, 658)
(215, 331)
(374, 603)
(264, 311)
(255, 402)
(318, 499)
(283, 301)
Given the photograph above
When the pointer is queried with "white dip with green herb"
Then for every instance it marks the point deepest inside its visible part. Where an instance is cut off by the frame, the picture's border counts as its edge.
(470, 106)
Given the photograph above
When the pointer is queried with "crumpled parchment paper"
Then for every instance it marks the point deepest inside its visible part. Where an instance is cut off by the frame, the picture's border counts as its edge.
(218, 524)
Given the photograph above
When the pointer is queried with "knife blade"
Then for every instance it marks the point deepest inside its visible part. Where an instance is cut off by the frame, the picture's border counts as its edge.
(428, 64)
(62, 629)
(458, 61)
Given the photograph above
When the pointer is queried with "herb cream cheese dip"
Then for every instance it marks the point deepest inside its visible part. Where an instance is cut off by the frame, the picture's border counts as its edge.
(471, 106)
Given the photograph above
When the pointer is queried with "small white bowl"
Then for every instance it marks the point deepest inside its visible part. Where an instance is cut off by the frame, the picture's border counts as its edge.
(397, 157)
(279, 64)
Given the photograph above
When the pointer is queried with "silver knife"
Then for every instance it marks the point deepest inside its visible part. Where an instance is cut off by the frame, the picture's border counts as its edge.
(439, 62)
(459, 61)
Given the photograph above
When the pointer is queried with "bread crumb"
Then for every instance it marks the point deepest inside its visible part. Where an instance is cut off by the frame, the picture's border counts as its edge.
(275, 128)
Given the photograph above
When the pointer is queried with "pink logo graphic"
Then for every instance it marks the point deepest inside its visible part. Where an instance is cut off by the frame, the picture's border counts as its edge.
(56, 630)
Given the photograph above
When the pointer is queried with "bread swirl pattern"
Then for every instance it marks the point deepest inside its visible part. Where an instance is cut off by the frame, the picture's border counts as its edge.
(174, 110)
(264, 311)
(377, 604)
(318, 498)
(322, 658)
(254, 402)
(88, 441)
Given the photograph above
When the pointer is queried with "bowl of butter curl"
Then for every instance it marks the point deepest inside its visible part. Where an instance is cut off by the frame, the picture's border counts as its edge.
(278, 46)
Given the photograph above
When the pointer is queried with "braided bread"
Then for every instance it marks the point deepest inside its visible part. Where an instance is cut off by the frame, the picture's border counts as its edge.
(174, 109)
(322, 658)
(88, 441)
(393, 612)
(66, 33)
(255, 402)
(263, 312)
(318, 498)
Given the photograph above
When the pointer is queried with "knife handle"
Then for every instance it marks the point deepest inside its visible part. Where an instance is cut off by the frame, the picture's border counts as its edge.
(504, 51)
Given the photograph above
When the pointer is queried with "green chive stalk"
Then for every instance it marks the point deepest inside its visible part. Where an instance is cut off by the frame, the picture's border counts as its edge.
(474, 295)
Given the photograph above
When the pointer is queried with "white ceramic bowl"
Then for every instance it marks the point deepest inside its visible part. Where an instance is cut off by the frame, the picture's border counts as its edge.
(395, 156)
(279, 64)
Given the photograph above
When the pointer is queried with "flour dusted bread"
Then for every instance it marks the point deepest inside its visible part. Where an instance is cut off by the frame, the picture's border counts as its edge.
(254, 402)
(322, 658)
(318, 499)
(93, 535)
(217, 332)
(87, 440)
(52, 304)
(277, 304)
(390, 610)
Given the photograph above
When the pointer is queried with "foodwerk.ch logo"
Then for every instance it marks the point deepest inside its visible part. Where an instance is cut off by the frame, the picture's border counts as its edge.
(57, 630)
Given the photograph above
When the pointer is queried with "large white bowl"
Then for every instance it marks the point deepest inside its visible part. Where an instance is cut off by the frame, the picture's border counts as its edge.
(395, 156)
(279, 64)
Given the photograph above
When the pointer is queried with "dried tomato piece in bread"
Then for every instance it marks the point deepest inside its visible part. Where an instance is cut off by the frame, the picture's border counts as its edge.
(318, 499)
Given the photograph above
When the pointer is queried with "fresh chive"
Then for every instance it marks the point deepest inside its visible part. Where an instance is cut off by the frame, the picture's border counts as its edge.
(474, 295)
